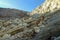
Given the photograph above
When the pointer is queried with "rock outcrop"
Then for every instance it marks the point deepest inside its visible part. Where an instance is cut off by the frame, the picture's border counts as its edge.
(50, 9)
(51, 26)
(47, 6)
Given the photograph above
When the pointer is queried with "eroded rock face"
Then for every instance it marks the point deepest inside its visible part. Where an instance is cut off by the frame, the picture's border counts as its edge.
(50, 9)
(47, 6)
(51, 26)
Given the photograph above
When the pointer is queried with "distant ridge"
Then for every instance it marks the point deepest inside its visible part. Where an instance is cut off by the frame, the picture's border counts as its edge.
(7, 12)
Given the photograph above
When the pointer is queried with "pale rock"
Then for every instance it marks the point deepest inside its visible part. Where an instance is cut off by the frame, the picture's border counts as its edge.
(47, 6)
(37, 29)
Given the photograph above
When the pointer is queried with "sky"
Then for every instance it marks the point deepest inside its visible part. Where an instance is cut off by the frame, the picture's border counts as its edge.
(26, 5)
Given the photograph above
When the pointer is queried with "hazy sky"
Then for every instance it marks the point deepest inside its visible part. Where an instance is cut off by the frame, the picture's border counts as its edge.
(27, 5)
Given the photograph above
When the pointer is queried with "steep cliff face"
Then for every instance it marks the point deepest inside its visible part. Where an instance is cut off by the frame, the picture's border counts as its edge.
(50, 10)
(51, 29)
(47, 6)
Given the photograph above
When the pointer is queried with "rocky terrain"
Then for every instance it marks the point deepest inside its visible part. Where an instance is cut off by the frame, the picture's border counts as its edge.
(43, 23)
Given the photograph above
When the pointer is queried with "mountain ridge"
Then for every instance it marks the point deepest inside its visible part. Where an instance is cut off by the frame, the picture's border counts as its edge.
(47, 6)
(7, 12)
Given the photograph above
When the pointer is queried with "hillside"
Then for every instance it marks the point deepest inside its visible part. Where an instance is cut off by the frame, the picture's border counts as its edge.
(6, 12)
(43, 23)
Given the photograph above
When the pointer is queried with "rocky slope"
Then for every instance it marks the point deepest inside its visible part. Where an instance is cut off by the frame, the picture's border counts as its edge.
(12, 20)
(42, 24)
(50, 10)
